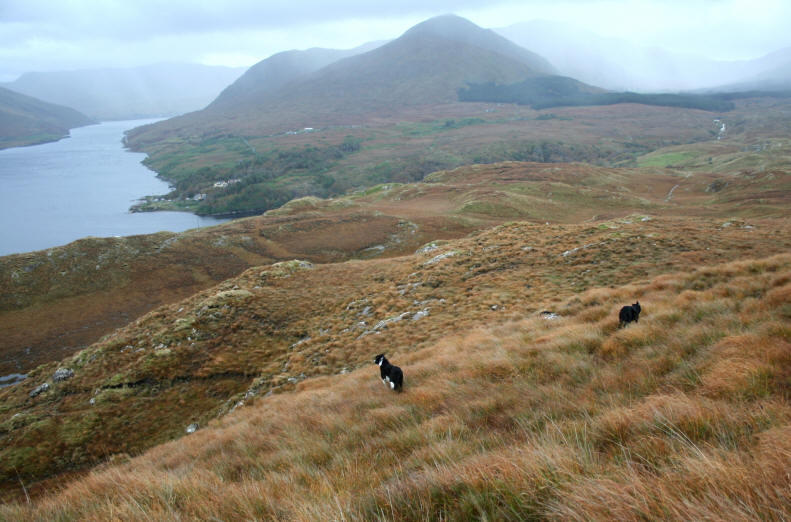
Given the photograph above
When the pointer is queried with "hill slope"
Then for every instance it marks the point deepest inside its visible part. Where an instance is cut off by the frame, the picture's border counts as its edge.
(684, 415)
(423, 67)
(131, 93)
(27, 121)
(773, 73)
(273, 329)
(273, 326)
(56, 301)
(269, 75)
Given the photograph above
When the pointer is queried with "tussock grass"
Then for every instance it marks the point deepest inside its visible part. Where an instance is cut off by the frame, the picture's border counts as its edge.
(682, 416)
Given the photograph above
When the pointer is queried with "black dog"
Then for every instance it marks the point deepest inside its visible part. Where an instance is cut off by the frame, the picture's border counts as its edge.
(390, 374)
(629, 314)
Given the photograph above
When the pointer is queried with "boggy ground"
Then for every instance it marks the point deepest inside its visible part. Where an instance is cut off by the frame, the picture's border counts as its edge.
(275, 326)
(509, 416)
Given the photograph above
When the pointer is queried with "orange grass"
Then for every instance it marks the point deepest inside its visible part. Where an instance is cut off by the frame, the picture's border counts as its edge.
(683, 416)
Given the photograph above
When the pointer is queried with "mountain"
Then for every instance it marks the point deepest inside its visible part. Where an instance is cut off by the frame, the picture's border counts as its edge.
(395, 114)
(621, 65)
(258, 129)
(770, 73)
(120, 94)
(269, 75)
(424, 67)
(25, 120)
(776, 68)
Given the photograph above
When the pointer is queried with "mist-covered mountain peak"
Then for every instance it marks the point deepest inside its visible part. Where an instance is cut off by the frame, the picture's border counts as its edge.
(455, 28)
(276, 71)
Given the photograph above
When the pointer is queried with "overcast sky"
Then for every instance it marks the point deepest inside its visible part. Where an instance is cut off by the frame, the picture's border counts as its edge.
(47, 35)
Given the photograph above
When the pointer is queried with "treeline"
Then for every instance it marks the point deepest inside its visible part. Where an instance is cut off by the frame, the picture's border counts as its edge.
(272, 178)
(740, 95)
(546, 151)
(558, 91)
(276, 177)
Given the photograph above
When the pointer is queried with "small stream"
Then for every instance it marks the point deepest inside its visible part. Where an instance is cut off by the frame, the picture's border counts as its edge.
(11, 379)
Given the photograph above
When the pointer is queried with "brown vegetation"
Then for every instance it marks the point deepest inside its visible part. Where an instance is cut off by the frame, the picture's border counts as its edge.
(569, 418)
(60, 300)
(273, 327)
(507, 413)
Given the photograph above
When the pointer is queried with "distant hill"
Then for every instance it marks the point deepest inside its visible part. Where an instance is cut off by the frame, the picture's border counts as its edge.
(269, 75)
(164, 89)
(774, 74)
(27, 121)
(424, 67)
(621, 65)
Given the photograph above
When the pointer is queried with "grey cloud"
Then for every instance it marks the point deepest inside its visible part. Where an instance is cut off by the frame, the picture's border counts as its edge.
(144, 18)
(71, 34)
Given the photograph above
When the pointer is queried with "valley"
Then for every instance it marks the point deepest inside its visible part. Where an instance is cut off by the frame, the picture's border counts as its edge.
(331, 161)
(137, 274)
(213, 323)
(486, 247)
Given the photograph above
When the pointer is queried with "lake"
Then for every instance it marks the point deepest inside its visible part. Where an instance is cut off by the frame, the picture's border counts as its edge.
(80, 186)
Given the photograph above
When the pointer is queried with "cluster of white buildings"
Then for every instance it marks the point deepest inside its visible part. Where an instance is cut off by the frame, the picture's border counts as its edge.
(303, 131)
(218, 185)
(223, 184)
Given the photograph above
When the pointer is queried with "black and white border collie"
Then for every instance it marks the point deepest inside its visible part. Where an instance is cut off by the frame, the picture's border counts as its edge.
(629, 314)
(391, 375)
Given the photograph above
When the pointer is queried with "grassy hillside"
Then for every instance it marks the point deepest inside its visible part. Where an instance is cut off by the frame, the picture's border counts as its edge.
(275, 326)
(333, 160)
(29, 121)
(682, 416)
(57, 301)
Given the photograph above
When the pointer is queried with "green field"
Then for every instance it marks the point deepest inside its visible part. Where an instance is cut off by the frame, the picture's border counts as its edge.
(666, 160)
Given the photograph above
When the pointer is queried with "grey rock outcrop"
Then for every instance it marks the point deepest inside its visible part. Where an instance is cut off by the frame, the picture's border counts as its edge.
(39, 389)
(61, 374)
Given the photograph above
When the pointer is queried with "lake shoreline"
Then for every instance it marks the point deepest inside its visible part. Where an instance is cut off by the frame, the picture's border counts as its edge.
(176, 206)
(79, 187)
